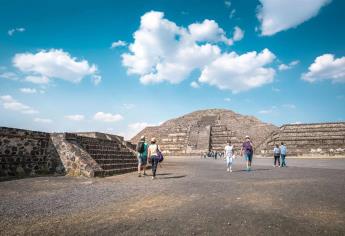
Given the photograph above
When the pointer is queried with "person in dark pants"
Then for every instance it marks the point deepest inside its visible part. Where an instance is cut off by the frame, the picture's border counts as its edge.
(283, 155)
(276, 154)
(153, 155)
(247, 150)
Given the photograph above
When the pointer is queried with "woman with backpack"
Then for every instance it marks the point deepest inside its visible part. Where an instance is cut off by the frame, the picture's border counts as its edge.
(155, 155)
(276, 154)
(247, 150)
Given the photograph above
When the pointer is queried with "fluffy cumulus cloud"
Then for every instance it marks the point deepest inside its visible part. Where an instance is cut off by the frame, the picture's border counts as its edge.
(163, 51)
(107, 117)
(10, 103)
(276, 16)
(44, 65)
(326, 67)
(76, 117)
(118, 43)
(239, 72)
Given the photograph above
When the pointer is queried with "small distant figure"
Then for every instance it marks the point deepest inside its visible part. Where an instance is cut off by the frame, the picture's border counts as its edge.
(153, 150)
(276, 154)
(247, 150)
(283, 151)
(228, 150)
(142, 155)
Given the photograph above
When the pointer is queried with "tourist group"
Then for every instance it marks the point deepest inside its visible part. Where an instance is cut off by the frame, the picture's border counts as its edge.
(152, 154)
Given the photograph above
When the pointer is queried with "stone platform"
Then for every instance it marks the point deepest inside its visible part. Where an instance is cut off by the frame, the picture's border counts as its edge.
(91, 154)
(319, 139)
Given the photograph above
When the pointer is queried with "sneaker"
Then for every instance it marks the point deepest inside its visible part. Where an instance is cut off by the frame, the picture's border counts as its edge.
(230, 170)
(227, 169)
(153, 177)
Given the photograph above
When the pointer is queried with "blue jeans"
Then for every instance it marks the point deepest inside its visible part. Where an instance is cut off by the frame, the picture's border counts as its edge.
(282, 157)
(154, 163)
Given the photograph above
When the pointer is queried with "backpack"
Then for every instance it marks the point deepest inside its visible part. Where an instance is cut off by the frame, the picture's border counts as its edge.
(160, 155)
(141, 147)
(248, 147)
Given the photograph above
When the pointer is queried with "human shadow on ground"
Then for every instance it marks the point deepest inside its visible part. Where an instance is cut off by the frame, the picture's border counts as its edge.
(165, 174)
(174, 177)
(252, 170)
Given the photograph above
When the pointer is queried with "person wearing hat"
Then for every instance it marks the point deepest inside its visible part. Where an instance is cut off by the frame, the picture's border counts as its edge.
(142, 155)
(247, 150)
(153, 155)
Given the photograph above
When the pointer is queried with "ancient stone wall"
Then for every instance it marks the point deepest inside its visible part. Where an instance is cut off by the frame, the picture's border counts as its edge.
(322, 139)
(27, 153)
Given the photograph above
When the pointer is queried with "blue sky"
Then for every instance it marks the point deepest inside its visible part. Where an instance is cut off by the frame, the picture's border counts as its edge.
(281, 61)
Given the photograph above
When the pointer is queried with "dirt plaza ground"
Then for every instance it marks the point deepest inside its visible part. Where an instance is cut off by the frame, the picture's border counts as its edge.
(191, 196)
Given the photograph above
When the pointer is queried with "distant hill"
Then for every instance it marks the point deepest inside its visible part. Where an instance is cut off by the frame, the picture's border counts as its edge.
(205, 130)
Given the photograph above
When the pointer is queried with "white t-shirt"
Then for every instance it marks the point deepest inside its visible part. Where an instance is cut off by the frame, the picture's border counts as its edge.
(228, 151)
(153, 149)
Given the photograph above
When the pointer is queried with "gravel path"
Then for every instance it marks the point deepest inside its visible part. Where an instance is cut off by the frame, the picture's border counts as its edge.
(190, 197)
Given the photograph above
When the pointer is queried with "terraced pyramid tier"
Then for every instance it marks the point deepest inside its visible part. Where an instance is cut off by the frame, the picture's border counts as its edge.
(205, 130)
(308, 139)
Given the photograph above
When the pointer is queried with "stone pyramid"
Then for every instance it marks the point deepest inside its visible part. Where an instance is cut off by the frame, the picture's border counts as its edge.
(206, 130)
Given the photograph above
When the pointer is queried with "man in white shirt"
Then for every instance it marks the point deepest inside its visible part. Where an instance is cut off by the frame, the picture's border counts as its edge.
(229, 155)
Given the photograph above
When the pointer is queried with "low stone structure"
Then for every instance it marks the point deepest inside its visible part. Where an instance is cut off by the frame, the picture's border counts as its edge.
(205, 130)
(320, 139)
(31, 153)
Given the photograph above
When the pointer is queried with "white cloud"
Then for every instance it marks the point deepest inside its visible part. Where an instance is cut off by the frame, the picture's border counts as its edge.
(163, 51)
(12, 31)
(75, 117)
(239, 72)
(118, 43)
(326, 67)
(238, 34)
(107, 117)
(276, 16)
(227, 99)
(37, 79)
(10, 103)
(28, 90)
(53, 64)
(208, 31)
(43, 120)
(9, 75)
(289, 66)
(194, 84)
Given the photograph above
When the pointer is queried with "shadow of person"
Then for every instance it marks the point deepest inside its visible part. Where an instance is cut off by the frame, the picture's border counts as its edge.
(165, 174)
(244, 170)
(174, 177)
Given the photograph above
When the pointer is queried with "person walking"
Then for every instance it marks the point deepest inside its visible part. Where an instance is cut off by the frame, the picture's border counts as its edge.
(142, 155)
(228, 150)
(276, 154)
(247, 150)
(153, 150)
(283, 155)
